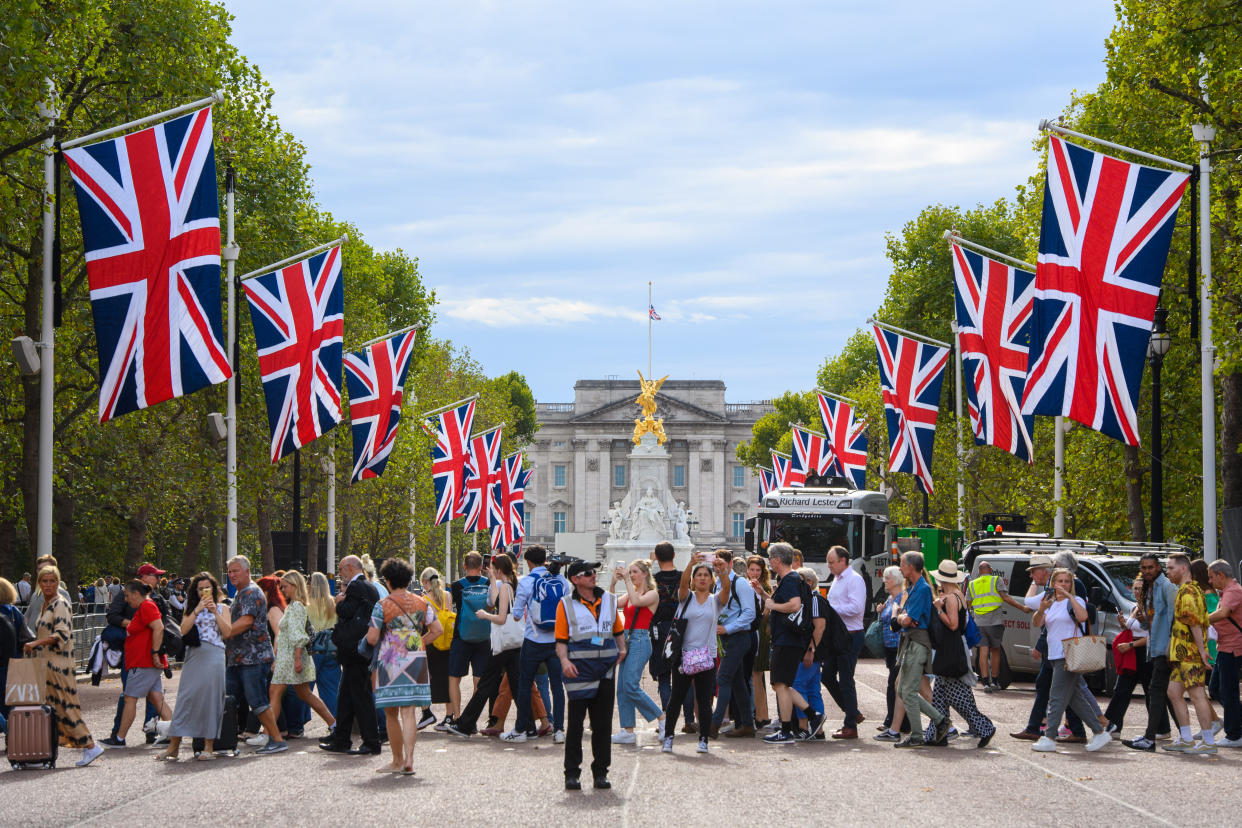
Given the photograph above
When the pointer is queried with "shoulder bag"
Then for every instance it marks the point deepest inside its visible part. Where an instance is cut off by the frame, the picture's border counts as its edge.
(509, 635)
(1084, 653)
(676, 635)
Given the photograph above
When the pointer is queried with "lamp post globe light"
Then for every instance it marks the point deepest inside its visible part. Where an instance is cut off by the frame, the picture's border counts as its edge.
(1157, 347)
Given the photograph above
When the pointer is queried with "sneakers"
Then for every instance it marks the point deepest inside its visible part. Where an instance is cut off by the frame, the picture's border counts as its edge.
(514, 737)
(624, 737)
(743, 732)
(1164, 737)
(667, 745)
(952, 734)
(1099, 741)
(1229, 743)
(888, 736)
(1044, 745)
(911, 742)
(112, 743)
(1177, 745)
(444, 724)
(272, 747)
(780, 737)
(427, 720)
(1217, 727)
(257, 741)
(90, 755)
(942, 730)
(1113, 731)
(454, 729)
(1200, 748)
(702, 748)
(660, 729)
(1141, 743)
(559, 737)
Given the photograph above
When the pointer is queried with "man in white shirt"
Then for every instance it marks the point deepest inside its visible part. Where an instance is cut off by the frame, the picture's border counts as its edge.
(24, 590)
(848, 597)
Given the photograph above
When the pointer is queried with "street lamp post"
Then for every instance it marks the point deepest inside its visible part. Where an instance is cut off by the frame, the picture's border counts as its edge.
(1157, 347)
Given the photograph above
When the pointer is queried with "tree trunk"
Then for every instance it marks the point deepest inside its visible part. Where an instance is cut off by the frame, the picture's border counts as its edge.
(347, 532)
(8, 530)
(266, 552)
(1231, 440)
(66, 537)
(215, 550)
(137, 543)
(193, 546)
(1134, 493)
(312, 534)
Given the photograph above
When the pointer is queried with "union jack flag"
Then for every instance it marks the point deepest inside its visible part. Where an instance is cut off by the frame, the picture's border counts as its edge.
(1103, 242)
(812, 454)
(994, 332)
(481, 472)
(151, 232)
(651, 313)
(510, 493)
(781, 471)
(298, 314)
(847, 435)
(448, 458)
(376, 380)
(767, 483)
(911, 373)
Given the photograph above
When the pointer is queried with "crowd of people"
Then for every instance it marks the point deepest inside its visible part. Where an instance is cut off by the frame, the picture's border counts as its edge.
(262, 655)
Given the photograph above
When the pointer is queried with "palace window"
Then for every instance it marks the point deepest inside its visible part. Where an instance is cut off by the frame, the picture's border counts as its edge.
(679, 476)
(558, 475)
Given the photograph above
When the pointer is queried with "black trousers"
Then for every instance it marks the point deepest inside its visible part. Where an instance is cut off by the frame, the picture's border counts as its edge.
(704, 684)
(498, 666)
(1157, 698)
(600, 710)
(356, 703)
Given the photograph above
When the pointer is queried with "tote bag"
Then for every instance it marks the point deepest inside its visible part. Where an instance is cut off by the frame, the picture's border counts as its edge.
(509, 635)
(1085, 653)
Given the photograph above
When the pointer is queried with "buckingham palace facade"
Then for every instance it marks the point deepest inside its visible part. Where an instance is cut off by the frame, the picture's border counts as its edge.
(581, 461)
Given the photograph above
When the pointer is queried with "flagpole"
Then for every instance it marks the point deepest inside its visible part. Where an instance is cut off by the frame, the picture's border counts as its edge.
(444, 408)
(837, 397)
(391, 334)
(1058, 478)
(904, 332)
(1204, 134)
(957, 389)
(952, 237)
(297, 257)
(215, 97)
(47, 360)
(331, 507)
(650, 374)
(448, 545)
(1048, 126)
(230, 252)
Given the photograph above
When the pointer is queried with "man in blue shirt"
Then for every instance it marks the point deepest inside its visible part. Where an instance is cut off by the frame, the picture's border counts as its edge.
(1155, 612)
(915, 654)
(538, 647)
(733, 680)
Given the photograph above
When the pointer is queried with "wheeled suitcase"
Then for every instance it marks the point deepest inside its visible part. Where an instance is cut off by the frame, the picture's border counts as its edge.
(32, 740)
(227, 740)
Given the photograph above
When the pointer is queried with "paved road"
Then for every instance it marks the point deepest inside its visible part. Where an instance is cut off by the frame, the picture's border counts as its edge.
(487, 783)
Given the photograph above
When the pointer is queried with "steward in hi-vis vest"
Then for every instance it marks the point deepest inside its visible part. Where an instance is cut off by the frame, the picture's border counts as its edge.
(589, 643)
(985, 595)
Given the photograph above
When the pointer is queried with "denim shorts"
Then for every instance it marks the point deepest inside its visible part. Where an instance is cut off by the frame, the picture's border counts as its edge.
(251, 682)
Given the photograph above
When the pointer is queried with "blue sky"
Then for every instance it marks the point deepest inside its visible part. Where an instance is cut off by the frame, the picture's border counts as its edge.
(544, 160)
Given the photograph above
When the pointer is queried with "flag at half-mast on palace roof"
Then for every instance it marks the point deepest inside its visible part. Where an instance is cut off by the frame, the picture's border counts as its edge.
(151, 231)
(911, 373)
(994, 302)
(1103, 242)
(298, 313)
(376, 380)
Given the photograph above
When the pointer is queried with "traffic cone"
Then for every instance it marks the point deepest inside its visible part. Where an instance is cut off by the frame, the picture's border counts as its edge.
(896, 553)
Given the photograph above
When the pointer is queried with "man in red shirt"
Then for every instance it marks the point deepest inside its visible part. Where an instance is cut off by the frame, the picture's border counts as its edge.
(1227, 620)
(143, 638)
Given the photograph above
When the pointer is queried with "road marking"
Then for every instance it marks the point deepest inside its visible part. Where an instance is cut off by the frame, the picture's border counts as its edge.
(629, 792)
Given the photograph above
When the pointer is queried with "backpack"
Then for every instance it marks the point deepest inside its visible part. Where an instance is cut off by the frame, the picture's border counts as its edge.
(836, 639)
(448, 620)
(547, 591)
(754, 625)
(801, 622)
(470, 626)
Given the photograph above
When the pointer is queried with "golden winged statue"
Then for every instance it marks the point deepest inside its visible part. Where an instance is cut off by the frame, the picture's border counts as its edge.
(647, 402)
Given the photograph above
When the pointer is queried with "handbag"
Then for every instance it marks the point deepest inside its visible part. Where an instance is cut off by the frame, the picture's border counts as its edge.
(696, 660)
(27, 682)
(676, 635)
(509, 635)
(874, 638)
(1085, 653)
(322, 643)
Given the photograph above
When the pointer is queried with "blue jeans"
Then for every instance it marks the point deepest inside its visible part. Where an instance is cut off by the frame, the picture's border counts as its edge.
(152, 712)
(806, 684)
(1227, 665)
(629, 681)
(249, 683)
(533, 654)
(544, 687)
(839, 678)
(733, 681)
(328, 679)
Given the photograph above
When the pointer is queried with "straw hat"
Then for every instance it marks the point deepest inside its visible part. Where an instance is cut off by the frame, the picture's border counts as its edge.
(948, 572)
(1039, 562)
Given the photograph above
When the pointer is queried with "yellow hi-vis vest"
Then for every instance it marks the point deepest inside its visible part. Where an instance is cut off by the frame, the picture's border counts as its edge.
(984, 597)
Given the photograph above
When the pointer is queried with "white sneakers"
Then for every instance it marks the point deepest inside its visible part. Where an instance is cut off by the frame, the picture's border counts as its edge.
(559, 737)
(514, 737)
(1229, 743)
(257, 741)
(1099, 740)
(702, 746)
(667, 745)
(1044, 745)
(624, 737)
(90, 755)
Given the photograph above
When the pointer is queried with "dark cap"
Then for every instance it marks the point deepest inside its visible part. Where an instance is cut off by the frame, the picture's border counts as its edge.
(581, 568)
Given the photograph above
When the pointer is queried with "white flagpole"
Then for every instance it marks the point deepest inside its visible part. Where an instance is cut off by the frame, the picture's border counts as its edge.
(904, 332)
(230, 252)
(297, 257)
(961, 462)
(1058, 478)
(47, 361)
(331, 507)
(649, 307)
(1204, 134)
(1049, 126)
(215, 97)
(448, 545)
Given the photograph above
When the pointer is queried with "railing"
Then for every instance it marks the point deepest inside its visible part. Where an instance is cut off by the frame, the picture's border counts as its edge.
(85, 629)
(746, 407)
(562, 407)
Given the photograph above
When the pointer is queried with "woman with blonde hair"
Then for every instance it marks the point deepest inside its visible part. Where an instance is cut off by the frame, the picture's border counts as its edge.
(437, 659)
(321, 610)
(638, 606)
(292, 668)
(761, 641)
(54, 641)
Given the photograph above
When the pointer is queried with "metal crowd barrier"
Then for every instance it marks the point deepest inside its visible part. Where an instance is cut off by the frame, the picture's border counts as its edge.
(86, 627)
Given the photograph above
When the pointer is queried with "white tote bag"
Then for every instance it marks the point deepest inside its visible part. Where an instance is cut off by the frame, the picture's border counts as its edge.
(509, 635)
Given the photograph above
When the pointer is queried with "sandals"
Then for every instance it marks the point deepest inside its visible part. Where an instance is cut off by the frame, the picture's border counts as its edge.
(164, 756)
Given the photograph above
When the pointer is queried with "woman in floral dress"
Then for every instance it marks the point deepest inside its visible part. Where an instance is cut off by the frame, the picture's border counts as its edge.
(294, 665)
(399, 623)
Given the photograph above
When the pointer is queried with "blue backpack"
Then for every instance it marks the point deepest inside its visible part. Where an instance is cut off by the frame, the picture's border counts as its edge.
(470, 627)
(547, 592)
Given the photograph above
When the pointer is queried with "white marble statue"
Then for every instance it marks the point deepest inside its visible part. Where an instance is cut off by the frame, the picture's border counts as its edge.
(648, 518)
(617, 522)
(681, 525)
